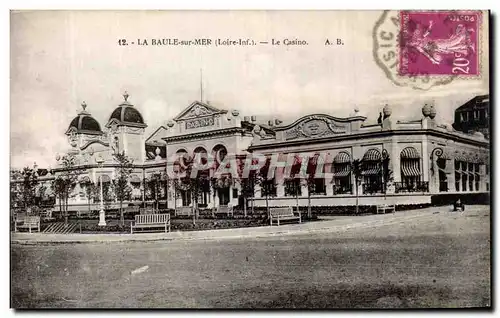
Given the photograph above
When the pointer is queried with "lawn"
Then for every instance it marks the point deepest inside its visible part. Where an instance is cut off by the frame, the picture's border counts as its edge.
(438, 261)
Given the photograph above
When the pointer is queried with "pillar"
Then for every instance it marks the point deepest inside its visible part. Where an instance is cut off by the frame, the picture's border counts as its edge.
(329, 188)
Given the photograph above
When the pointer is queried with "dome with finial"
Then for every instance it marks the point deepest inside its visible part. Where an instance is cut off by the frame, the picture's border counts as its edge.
(387, 110)
(432, 112)
(84, 123)
(426, 110)
(126, 114)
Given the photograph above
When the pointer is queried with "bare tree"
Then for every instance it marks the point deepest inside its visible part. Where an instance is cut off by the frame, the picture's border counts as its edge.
(356, 169)
(121, 186)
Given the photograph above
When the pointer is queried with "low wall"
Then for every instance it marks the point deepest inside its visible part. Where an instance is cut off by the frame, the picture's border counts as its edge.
(349, 200)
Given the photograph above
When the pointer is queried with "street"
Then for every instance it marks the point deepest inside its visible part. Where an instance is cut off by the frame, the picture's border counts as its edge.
(441, 260)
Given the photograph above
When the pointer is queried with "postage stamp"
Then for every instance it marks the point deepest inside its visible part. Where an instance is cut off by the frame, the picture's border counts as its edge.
(439, 43)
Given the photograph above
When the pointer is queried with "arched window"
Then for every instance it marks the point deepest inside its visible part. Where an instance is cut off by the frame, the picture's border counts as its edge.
(372, 171)
(219, 152)
(410, 169)
(342, 173)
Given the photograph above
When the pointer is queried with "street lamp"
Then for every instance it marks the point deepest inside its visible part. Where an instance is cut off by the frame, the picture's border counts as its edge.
(102, 216)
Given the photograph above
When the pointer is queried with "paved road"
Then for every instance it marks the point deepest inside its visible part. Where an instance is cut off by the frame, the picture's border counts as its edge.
(438, 260)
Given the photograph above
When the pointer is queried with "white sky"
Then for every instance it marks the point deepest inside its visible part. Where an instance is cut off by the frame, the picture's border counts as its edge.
(59, 59)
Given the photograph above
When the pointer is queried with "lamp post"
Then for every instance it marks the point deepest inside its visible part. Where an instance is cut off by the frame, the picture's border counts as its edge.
(102, 215)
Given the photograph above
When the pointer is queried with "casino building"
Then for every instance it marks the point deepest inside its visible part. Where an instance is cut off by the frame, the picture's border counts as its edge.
(425, 159)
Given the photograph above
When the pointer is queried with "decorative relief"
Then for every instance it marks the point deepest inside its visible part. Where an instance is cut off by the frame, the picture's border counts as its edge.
(200, 122)
(198, 111)
(315, 127)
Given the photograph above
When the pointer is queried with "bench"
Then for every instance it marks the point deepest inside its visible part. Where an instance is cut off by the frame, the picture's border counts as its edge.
(27, 222)
(183, 211)
(383, 208)
(225, 209)
(152, 222)
(283, 214)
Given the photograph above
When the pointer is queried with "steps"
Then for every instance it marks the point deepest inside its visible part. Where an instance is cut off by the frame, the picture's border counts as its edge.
(61, 228)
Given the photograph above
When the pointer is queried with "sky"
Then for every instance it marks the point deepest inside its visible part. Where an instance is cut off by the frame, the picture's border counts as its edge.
(61, 58)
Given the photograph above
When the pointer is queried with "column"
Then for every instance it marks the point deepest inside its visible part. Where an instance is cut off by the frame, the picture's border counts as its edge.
(425, 159)
(280, 190)
(231, 195)
(450, 175)
(329, 188)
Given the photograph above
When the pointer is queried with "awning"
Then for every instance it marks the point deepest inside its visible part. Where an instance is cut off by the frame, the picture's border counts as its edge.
(410, 153)
(410, 171)
(372, 155)
(85, 179)
(371, 171)
(340, 174)
(135, 179)
(460, 156)
(342, 157)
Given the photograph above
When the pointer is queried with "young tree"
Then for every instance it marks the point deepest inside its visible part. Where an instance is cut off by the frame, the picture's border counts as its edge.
(120, 183)
(91, 192)
(387, 174)
(65, 182)
(356, 169)
(28, 188)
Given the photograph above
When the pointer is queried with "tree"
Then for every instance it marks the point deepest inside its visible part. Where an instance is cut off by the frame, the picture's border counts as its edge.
(65, 183)
(387, 174)
(91, 190)
(120, 184)
(30, 181)
(356, 169)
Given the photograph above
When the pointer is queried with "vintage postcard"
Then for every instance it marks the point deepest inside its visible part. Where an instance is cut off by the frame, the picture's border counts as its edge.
(250, 159)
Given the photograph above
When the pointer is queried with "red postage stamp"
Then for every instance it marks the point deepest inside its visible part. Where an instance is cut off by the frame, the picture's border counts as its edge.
(439, 43)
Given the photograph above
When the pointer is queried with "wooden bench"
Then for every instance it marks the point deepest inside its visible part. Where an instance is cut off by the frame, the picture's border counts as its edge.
(183, 211)
(283, 214)
(27, 222)
(225, 209)
(152, 222)
(383, 208)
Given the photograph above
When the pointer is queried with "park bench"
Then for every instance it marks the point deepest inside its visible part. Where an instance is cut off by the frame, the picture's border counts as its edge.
(283, 214)
(29, 222)
(183, 211)
(384, 208)
(151, 222)
(225, 209)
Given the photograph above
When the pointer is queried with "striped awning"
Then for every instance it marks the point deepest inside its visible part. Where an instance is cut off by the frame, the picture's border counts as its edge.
(341, 173)
(341, 170)
(342, 157)
(85, 179)
(459, 156)
(410, 171)
(372, 155)
(410, 153)
(371, 171)
(135, 179)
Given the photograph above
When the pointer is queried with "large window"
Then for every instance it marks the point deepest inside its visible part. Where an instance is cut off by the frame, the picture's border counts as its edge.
(342, 173)
(410, 166)
(293, 188)
(371, 171)
(443, 177)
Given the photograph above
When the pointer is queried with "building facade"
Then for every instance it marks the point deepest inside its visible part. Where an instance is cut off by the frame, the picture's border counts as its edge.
(402, 162)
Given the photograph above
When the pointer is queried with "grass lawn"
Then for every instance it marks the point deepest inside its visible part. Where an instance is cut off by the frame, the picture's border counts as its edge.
(437, 261)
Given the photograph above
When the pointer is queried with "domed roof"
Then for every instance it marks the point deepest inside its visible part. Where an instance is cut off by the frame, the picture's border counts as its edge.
(126, 114)
(84, 123)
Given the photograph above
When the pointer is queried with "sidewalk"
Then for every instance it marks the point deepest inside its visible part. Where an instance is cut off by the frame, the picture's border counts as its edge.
(328, 224)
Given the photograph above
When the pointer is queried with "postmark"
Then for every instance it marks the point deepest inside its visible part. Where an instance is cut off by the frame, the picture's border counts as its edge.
(439, 43)
(386, 54)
